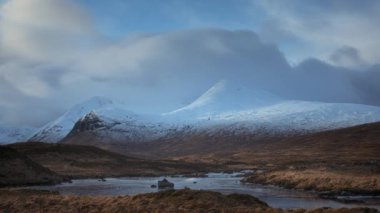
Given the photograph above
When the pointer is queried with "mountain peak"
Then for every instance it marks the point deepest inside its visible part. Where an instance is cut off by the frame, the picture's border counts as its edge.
(57, 129)
(228, 96)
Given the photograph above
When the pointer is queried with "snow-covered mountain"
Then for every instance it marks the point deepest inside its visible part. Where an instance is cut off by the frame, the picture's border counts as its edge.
(117, 124)
(225, 106)
(59, 128)
(10, 134)
(106, 119)
(223, 97)
(237, 108)
(296, 116)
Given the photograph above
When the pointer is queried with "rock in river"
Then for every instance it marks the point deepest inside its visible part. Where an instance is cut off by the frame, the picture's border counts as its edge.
(165, 184)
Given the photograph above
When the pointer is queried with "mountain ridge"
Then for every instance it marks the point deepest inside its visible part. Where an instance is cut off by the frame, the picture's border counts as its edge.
(60, 127)
(225, 106)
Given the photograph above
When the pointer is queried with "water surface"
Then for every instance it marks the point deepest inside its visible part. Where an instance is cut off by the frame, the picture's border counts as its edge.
(221, 182)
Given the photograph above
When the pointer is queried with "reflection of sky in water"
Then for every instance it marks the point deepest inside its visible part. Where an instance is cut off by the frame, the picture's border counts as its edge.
(225, 183)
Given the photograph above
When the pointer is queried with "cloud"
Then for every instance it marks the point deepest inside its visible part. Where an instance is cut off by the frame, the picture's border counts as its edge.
(317, 28)
(40, 29)
(53, 58)
(170, 64)
(348, 57)
(368, 85)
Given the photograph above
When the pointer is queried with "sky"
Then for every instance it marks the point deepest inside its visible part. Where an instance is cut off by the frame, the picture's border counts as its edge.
(165, 53)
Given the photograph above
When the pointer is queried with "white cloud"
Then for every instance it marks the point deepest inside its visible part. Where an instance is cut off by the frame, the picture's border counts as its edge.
(40, 29)
(18, 75)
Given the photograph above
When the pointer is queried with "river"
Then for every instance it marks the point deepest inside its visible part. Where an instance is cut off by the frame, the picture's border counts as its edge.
(221, 182)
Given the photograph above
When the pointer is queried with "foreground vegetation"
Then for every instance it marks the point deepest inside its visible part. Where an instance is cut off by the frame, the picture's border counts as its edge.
(321, 180)
(166, 201)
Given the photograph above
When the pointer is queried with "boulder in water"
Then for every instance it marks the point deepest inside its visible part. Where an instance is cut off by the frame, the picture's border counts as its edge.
(165, 184)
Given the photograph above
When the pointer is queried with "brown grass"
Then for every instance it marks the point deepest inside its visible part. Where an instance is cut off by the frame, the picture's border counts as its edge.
(320, 180)
(87, 161)
(167, 201)
(359, 143)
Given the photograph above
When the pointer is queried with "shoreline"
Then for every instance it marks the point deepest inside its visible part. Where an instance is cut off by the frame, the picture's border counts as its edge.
(327, 185)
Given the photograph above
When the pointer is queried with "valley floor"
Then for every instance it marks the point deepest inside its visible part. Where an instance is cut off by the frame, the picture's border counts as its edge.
(333, 163)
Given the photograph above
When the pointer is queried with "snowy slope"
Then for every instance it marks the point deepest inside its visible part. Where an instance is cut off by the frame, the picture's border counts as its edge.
(225, 96)
(225, 106)
(109, 120)
(297, 116)
(59, 128)
(14, 134)
(118, 124)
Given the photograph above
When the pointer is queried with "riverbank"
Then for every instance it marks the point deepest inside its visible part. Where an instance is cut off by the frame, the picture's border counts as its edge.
(328, 183)
(166, 201)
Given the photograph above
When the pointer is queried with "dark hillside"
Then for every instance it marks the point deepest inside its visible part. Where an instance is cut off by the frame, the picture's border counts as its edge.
(17, 169)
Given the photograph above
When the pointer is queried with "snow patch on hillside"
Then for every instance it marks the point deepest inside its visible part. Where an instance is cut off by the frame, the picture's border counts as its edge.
(10, 134)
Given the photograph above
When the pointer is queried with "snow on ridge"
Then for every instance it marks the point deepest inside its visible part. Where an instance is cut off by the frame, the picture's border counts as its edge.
(60, 127)
(226, 96)
(114, 113)
(225, 105)
(303, 115)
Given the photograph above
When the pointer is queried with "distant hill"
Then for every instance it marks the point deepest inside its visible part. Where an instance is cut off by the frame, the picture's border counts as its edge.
(17, 169)
(354, 146)
(9, 134)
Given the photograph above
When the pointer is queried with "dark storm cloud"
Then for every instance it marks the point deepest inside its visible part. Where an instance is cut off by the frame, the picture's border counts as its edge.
(368, 85)
(348, 56)
(318, 28)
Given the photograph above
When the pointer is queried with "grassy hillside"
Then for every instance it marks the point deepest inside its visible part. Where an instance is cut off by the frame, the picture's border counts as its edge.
(17, 169)
(88, 161)
(354, 147)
